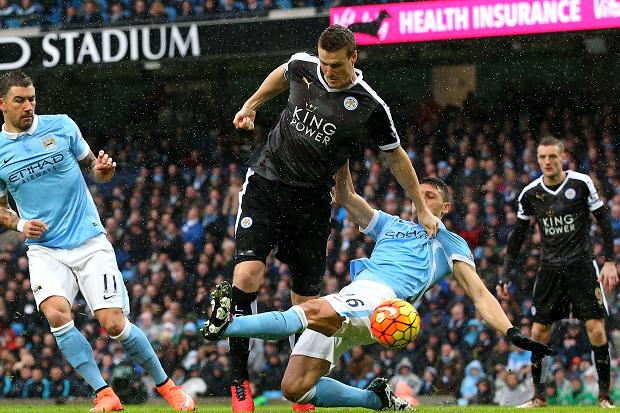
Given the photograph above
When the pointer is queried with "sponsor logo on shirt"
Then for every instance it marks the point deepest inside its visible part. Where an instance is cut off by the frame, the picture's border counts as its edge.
(307, 82)
(553, 225)
(312, 125)
(36, 169)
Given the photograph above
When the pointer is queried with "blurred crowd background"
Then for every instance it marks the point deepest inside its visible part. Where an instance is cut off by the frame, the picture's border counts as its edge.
(94, 13)
(170, 212)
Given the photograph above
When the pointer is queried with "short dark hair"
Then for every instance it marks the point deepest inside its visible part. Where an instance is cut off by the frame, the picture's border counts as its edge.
(439, 184)
(337, 37)
(552, 141)
(14, 78)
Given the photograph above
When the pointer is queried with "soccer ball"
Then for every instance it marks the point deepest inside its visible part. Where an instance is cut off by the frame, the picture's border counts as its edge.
(395, 323)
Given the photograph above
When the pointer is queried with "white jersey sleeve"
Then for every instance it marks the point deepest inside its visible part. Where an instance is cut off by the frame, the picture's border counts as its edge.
(79, 147)
(376, 224)
(455, 247)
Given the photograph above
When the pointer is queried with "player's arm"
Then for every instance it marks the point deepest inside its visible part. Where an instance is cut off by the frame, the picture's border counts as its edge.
(515, 242)
(344, 193)
(490, 309)
(274, 84)
(101, 168)
(402, 169)
(609, 274)
(32, 228)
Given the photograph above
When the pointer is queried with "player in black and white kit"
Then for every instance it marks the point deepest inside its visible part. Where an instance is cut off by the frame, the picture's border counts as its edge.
(285, 200)
(568, 279)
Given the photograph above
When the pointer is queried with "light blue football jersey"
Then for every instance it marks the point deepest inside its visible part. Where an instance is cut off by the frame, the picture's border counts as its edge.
(405, 259)
(39, 168)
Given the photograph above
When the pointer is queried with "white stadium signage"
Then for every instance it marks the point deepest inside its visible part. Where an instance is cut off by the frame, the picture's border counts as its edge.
(107, 45)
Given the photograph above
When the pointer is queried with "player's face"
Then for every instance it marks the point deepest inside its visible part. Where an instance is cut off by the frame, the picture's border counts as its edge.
(550, 160)
(434, 200)
(337, 67)
(18, 108)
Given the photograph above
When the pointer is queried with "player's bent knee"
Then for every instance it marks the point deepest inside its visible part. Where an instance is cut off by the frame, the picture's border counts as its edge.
(57, 318)
(597, 336)
(57, 311)
(293, 390)
(322, 317)
(113, 322)
(248, 275)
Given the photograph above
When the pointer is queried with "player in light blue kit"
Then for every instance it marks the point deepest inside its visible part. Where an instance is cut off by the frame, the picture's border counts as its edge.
(404, 264)
(41, 163)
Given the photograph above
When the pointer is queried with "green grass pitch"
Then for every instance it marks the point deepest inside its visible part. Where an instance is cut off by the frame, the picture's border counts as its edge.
(205, 406)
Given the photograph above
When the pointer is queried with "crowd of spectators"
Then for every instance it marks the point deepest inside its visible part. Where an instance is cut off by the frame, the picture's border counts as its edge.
(93, 13)
(170, 216)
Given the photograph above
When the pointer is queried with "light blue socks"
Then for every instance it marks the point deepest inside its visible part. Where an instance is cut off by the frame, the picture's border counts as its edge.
(139, 348)
(332, 393)
(273, 325)
(79, 354)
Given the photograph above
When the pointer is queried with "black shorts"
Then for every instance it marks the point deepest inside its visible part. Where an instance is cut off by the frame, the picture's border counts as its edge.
(293, 219)
(575, 289)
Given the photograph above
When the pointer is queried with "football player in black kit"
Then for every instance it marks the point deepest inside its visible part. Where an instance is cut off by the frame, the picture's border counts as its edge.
(285, 200)
(568, 279)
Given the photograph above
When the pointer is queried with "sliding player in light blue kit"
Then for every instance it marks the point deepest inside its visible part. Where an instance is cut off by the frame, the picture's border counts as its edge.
(41, 164)
(404, 264)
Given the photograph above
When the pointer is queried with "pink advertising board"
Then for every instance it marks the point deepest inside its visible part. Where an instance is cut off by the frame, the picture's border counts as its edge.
(461, 19)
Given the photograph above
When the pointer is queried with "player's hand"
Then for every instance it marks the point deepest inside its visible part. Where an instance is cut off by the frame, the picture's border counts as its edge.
(609, 276)
(244, 119)
(508, 273)
(34, 228)
(104, 167)
(428, 221)
(502, 290)
(518, 339)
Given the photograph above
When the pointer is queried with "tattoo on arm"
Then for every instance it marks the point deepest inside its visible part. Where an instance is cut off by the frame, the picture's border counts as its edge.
(8, 217)
(87, 164)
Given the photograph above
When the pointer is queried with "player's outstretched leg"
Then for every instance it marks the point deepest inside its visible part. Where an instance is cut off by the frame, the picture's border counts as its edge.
(273, 325)
(378, 396)
(215, 326)
(80, 355)
(139, 348)
(389, 401)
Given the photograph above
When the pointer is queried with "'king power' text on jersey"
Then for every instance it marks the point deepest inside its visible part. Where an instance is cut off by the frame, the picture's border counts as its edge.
(321, 127)
(39, 167)
(405, 259)
(563, 215)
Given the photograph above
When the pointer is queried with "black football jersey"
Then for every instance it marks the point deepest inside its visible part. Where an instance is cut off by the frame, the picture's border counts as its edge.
(563, 215)
(321, 127)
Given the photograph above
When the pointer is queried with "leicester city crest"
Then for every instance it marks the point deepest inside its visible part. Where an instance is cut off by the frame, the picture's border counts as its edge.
(570, 193)
(350, 103)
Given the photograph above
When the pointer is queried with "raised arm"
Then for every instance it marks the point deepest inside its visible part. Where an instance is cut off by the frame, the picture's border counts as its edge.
(274, 84)
(405, 174)
(359, 211)
(100, 168)
(491, 310)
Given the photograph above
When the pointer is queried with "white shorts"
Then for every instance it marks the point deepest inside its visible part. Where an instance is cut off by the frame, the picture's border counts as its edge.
(355, 302)
(90, 268)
